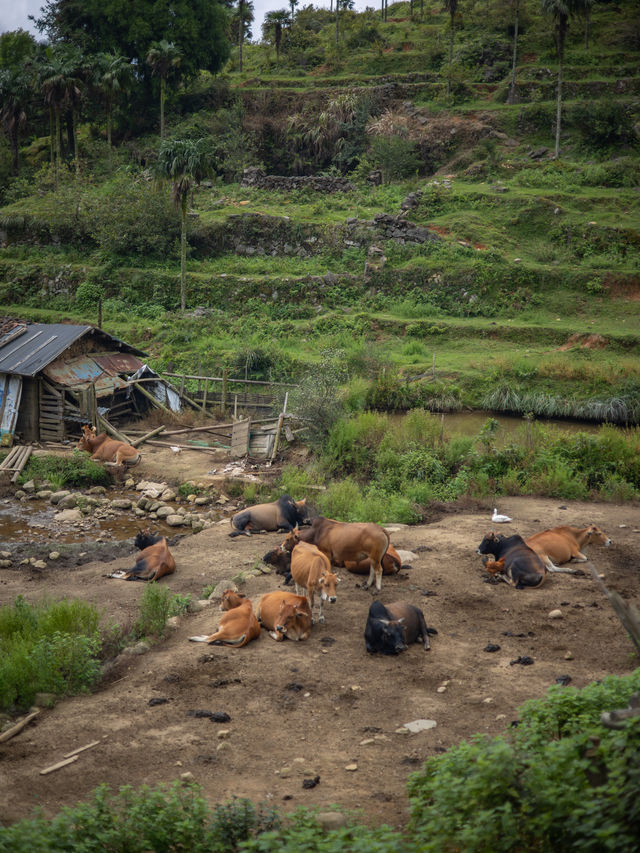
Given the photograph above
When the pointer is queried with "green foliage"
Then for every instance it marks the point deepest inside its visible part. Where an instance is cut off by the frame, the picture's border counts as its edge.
(162, 819)
(47, 647)
(562, 781)
(395, 156)
(75, 470)
(157, 604)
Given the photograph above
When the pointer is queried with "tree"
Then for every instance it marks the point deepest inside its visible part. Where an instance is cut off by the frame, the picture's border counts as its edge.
(130, 27)
(60, 83)
(293, 4)
(452, 7)
(241, 26)
(16, 48)
(516, 23)
(164, 58)
(114, 75)
(342, 4)
(15, 94)
(274, 23)
(185, 162)
(562, 11)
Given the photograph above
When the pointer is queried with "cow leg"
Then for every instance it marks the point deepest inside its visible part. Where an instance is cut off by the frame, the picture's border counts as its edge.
(579, 557)
(375, 574)
(561, 570)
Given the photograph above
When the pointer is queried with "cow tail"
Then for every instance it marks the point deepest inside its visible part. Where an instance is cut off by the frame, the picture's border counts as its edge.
(384, 553)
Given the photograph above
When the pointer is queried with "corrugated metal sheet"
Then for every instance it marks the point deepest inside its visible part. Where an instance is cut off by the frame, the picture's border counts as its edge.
(28, 352)
(80, 372)
(10, 394)
(114, 363)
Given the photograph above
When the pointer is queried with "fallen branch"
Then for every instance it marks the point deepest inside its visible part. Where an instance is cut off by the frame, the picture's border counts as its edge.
(81, 748)
(59, 765)
(146, 436)
(14, 730)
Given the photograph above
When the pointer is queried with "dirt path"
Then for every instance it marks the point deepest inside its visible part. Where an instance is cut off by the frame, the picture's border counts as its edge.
(316, 708)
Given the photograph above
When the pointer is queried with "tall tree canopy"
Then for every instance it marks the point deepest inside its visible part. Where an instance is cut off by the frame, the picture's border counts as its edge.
(129, 27)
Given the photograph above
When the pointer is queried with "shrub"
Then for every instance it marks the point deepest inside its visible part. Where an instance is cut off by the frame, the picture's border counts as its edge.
(155, 609)
(396, 156)
(562, 781)
(76, 470)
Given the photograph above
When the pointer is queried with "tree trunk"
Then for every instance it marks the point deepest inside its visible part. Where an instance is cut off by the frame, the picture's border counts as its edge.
(14, 142)
(337, 20)
(450, 59)
(76, 156)
(109, 125)
(512, 87)
(183, 256)
(58, 154)
(241, 34)
(163, 89)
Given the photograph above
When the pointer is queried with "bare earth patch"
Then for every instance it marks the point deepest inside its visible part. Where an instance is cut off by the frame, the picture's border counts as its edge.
(300, 710)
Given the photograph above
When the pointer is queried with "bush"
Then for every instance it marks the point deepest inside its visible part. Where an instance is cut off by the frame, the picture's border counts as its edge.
(77, 470)
(396, 156)
(562, 781)
(156, 605)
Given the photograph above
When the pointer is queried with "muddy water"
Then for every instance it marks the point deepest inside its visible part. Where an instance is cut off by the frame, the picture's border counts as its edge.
(510, 428)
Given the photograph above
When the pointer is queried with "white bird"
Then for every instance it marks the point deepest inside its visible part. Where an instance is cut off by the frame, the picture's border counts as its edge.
(499, 519)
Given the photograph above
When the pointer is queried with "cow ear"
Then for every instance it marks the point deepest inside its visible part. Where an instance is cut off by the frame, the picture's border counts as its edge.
(303, 502)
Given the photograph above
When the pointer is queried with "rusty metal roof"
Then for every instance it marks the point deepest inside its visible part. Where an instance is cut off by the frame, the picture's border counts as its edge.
(27, 349)
(82, 371)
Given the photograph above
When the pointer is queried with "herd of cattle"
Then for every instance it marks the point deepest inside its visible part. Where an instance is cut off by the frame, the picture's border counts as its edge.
(312, 550)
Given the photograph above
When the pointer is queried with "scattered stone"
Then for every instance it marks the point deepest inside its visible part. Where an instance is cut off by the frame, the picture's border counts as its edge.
(284, 772)
(564, 680)
(568, 655)
(402, 731)
(492, 647)
(222, 734)
(174, 520)
(556, 614)
(524, 660)
(39, 564)
(56, 497)
(331, 820)
(367, 741)
(420, 725)
(121, 503)
(351, 767)
(54, 555)
(187, 777)
(441, 689)
(68, 516)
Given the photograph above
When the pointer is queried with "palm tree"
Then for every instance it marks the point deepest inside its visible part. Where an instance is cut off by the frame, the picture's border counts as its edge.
(561, 11)
(241, 26)
(185, 162)
(164, 58)
(452, 7)
(114, 77)
(15, 93)
(274, 22)
(60, 81)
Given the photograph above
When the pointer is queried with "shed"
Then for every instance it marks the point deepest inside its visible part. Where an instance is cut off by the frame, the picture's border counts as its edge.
(53, 377)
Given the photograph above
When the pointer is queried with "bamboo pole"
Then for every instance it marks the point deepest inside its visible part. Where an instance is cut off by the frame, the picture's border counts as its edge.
(153, 399)
(14, 730)
(147, 436)
(112, 430)
(58, 765)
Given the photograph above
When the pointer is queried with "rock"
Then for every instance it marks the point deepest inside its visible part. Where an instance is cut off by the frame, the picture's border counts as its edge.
(220, 587)
(29, 487)
(140, 648)
(44, 494)
(568, 655)
(556, 614)
(56, 497)
(351, 767)
(174, 520)
(223, 734)
(187, 776)
(5, 564)
(420, 725)
(163, 511)
(68, 516)
(68, 502)
(121, 503)
(54, 555)
(173, 622)
(331, 820)
(39, 564)
(168, 495)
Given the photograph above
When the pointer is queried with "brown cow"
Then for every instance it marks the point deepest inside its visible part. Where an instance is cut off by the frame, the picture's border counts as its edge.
(345, 542)
(237, 626)
(285, 615)
(311, 572)
(105, 449)
(283, 514)
(152, 563)
(391, 564)
(561, 544)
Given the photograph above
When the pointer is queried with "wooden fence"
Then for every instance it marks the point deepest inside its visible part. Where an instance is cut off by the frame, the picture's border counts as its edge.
(223, 393)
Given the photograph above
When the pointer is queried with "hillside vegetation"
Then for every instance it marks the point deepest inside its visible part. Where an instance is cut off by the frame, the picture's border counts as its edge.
(483, 270)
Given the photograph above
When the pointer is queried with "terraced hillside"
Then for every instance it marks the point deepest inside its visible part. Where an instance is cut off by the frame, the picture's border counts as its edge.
(461, 255)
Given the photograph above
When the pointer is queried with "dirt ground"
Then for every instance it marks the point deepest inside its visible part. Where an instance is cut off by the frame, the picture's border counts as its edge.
(322, 708)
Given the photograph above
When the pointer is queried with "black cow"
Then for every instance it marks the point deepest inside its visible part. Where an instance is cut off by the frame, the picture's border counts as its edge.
(283, 514)
(390, 628)
(515, 562)
(281, 561)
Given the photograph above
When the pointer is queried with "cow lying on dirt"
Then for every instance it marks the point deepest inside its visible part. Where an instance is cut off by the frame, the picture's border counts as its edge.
(285, 615)
(104, 449)
(391, 627)
(561, 544)
(344, 542)
(154, 561)
(238, 624)
(283, 514)
(311, 573)
(514, 561)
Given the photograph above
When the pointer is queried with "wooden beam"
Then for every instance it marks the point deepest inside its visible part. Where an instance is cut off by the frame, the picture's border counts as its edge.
(148, 435)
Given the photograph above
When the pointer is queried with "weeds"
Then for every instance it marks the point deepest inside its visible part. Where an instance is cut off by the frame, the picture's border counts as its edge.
(77, 470)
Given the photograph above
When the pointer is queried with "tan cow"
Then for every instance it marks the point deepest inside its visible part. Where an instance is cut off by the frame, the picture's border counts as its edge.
(154, 561)
(283, 514)
(562, 544)
(285, 615)
(343, 542)
(105, 449)
(311, 573)
(391, 564)
(237, 626)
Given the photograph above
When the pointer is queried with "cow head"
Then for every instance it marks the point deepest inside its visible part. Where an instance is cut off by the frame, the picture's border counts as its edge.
(292, 616)
(392, 636)
(231, 599)
(594, 534)
(280, 559)
(327, 584)
(291, 540)
(488, 544)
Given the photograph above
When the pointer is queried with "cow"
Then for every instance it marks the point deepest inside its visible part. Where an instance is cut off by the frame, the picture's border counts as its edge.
(281, 560)
(311, 573)
(285, 615)
(283, 514)
(514, 561)
(392, 627)
(562, 544)
(153, 562)
(238, 625)
(345, 542)
(104, 449)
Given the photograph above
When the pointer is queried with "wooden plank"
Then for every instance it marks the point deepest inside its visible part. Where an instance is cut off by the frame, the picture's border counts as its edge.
(240, 438)
(14, 730)
(58, 765)
(147, 436)
(81, 749)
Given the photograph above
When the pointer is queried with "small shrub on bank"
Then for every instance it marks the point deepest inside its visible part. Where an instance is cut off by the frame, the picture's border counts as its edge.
(47, 647)
(157, 604)
(76, 470)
